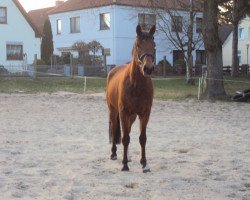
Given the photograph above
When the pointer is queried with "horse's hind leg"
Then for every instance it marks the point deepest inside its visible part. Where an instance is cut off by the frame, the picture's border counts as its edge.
(114, 128)
(143, 140)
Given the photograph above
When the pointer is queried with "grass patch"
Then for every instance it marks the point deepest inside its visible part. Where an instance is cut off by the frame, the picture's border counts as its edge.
(169, 88)
(174, 88)
(236, 84)
(39, 85)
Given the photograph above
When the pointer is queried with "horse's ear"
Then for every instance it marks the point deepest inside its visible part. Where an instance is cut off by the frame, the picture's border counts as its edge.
(138, 30)
(152, 30)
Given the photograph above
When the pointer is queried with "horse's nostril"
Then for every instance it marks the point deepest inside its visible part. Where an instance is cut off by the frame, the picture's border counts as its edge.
(147, 70)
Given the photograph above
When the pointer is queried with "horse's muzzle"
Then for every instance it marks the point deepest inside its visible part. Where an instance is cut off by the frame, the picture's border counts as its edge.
(148, 70)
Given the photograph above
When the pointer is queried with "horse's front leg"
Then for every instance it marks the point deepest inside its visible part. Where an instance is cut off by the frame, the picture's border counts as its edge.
(126, 127)
(143, 140)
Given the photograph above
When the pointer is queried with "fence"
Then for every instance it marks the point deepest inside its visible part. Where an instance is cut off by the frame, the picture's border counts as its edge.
(86, 72)
(243, 70)
(55, 70)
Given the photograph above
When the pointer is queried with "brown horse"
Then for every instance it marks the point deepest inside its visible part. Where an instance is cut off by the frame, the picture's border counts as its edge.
(130, 94)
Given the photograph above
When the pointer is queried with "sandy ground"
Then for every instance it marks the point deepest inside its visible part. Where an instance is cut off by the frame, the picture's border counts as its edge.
(55, 147)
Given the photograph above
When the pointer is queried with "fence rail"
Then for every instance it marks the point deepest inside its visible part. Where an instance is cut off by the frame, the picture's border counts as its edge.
(55, 70)
(243, 69)
(88, 70)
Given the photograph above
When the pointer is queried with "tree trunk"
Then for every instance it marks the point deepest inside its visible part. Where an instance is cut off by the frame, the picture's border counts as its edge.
(189, 62)
(213, 46)
(235, 60)
(189, 69)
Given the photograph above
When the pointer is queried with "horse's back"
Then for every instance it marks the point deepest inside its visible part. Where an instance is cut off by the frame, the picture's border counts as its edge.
(114, 73)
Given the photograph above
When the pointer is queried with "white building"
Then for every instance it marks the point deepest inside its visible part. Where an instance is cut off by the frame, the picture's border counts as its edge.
(20, 40)
(112, 23)
(243, 44)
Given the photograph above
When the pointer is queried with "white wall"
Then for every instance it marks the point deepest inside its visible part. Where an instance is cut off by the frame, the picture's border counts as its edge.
(17, 30)
(89, 29)
(227, 46)
(119, 38)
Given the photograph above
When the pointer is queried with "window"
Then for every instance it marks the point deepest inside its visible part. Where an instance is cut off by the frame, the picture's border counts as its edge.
(176, 24)
(239, 57)
(178, 56)
(58, 27)
(75, 25)
(200, 57)
(241, 33)
(146, 20)
(105, 21)
(198, 25)
(14, 51)
(3, 15)
(249, 33)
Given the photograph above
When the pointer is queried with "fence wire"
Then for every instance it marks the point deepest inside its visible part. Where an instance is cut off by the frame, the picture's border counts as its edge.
(169, 86)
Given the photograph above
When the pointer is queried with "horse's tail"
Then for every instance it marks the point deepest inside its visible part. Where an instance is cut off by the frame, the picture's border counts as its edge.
(117, 134)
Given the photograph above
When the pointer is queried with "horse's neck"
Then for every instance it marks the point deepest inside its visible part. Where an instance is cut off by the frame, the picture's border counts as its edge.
(134, 72)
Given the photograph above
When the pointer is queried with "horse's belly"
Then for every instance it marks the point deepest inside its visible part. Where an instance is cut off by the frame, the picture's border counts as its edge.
(138, 106)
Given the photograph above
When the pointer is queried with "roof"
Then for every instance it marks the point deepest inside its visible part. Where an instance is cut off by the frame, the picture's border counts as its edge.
(24, 13)
(224, 31)
(73, 5)
(39, 16)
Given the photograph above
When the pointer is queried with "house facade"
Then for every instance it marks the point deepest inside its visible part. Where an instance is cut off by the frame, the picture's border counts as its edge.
(243, 44)
(20, 40)
(112, 23)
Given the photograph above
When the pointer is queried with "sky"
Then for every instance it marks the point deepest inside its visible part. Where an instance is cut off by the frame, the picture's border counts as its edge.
(36, 4)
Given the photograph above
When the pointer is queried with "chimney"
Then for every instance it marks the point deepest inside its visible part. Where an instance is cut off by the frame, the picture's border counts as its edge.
(59, 2)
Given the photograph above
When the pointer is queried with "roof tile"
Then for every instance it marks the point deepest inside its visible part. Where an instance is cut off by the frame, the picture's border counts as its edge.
(72, 5)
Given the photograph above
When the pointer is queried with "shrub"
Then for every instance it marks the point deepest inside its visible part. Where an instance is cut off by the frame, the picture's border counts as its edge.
(3, 70)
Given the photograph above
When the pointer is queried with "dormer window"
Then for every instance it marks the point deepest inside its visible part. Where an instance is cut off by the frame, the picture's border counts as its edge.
(3, 15)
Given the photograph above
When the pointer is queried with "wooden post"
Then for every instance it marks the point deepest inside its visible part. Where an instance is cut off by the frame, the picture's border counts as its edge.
(105, 65)
(199, 89)
(35, 66)
(85, 84)
(71, 66)
(164, 66)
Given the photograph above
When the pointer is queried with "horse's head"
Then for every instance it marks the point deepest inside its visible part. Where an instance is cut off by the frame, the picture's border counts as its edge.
(145, 50)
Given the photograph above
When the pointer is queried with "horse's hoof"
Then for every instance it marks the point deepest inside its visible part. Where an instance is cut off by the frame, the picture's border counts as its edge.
(146, 169)
(125, 169)
(113, 157)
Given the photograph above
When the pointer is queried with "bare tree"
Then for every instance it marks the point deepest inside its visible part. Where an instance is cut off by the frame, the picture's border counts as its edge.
(179, 28)
(84, 49)
(94, 47)
(213, 46)
(81, 47)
